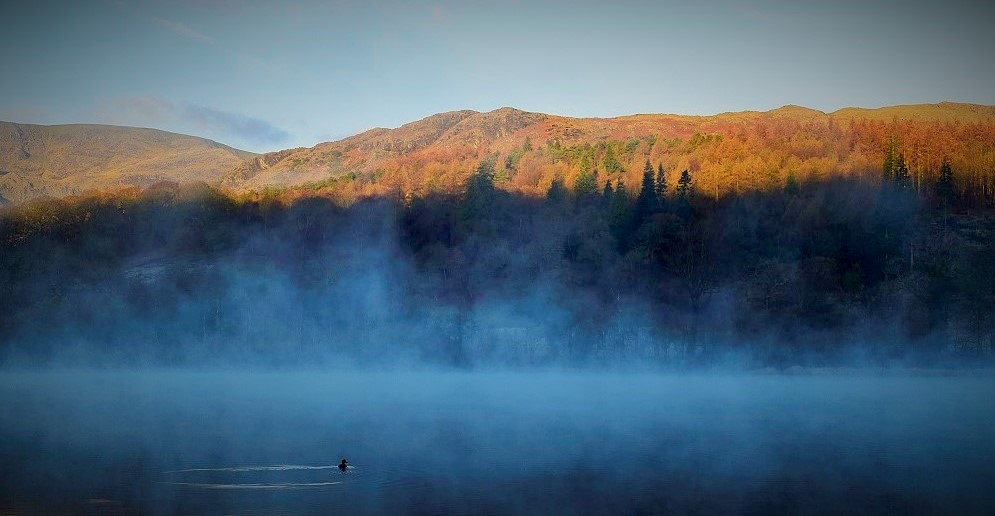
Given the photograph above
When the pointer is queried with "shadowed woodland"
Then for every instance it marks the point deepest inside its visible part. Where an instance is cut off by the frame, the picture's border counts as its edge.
(816, 272)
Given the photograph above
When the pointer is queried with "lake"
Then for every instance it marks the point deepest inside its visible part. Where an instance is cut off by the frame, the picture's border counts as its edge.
(206, 442)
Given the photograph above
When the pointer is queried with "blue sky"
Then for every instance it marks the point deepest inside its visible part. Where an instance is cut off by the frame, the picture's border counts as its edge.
(263, 75)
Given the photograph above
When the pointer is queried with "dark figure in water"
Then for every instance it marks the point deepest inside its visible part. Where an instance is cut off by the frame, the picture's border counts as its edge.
(344, 465)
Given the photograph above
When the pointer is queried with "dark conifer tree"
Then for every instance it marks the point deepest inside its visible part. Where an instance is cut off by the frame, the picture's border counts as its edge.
(608, 193)
(586, 184)
(620, 215)
(901, 172)
(945, 183)
(685, 190)
(479, 192)
(685, 185)
(557, 192)
(646, 203)
(661, 184)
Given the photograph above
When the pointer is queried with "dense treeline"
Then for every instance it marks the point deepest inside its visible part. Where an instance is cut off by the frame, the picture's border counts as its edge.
(815, 272)
(733, 154)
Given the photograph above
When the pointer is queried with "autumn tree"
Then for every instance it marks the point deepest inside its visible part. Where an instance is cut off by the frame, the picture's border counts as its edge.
(890, 165)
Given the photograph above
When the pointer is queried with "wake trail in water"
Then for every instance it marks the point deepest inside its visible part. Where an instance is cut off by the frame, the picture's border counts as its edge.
(282, 485)
(278, 467)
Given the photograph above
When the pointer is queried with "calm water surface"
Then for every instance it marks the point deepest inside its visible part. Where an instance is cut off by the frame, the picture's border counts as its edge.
(494, 443)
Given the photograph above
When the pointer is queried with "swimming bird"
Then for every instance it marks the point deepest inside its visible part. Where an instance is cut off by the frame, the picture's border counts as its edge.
(344, 465)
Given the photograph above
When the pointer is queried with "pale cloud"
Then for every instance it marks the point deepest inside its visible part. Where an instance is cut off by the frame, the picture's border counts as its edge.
(182, 30)
(250, 128)
(154, 111)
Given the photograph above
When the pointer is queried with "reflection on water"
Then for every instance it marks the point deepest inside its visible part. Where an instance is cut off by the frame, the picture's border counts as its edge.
(493, 443)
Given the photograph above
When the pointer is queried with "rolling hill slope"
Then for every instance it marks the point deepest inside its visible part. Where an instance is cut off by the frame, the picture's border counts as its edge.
(729, 151)
(739, 150)
(37, 160)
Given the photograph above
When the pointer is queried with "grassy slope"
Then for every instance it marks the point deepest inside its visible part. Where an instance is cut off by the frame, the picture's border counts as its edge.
(40, 160)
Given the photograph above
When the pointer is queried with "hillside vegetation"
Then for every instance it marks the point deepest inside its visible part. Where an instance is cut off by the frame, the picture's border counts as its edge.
(59, 160)
(730, 152)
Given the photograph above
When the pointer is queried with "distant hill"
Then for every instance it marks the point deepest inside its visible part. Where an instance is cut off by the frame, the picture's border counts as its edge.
(729, 151)
(739, 150)
(37, 160)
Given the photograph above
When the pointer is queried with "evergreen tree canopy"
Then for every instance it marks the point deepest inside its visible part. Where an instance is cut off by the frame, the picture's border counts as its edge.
(685, 185)
(620, 215)
(646, 203)
(479, 191)
(610, 162)
(661, 184)
(945, 183)
(557, 192)
(685, 190)
(586, 184)
(901, 172)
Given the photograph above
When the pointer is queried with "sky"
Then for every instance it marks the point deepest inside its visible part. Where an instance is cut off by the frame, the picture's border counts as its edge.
(262, 75)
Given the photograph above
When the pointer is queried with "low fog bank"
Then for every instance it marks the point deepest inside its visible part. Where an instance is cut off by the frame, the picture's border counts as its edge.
(826, 274)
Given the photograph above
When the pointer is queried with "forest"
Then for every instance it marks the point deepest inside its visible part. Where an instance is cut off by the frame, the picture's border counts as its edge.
(733, 153)
(873, 268)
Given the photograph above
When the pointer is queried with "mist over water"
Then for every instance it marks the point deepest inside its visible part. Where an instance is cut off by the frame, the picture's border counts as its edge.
(161, 442)
(179, 350)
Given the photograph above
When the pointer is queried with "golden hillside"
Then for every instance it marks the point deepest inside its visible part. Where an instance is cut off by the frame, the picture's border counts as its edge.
(37, 160)
(737, 151)
(729, 151)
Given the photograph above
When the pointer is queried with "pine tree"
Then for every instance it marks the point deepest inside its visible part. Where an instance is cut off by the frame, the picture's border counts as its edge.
(608, 193)
(586, 184)
(610, 162)
(901, 173)
(685, 185)
(620, 193)
(661, 184)
(479, 192)
(685, 191)
(557, 192)
(945, 183)
(620, 216)
(646, 202)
